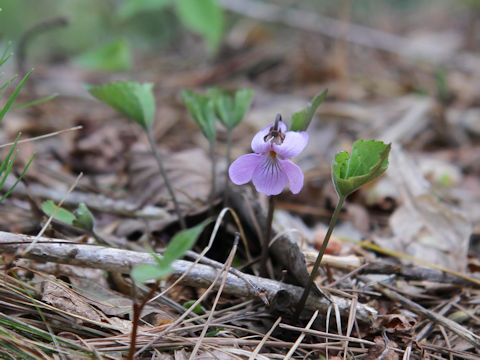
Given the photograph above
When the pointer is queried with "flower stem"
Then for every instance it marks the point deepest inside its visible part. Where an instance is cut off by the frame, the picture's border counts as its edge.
(227, 158)
(268, 235)
(158, 157)
(313, 274)
(214, 173)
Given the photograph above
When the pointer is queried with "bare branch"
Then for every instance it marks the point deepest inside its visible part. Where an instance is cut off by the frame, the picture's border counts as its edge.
(118, 260)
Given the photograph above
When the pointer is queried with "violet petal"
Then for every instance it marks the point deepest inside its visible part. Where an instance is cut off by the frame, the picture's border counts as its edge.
(241, 170)
(269, 177)
(293, 144)
(294, 174)
(258, 143)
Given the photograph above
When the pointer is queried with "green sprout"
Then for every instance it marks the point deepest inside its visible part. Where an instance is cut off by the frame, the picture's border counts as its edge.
(366, 162)
(230, 110)
(136, 101)
(202, 110)
(81, 218)
(177, 247)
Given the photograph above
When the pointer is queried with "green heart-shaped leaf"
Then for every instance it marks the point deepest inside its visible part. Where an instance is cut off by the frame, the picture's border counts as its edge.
(367, 161)
(62, 215)
(129, 98)
(231, 109)
(202, 110)
(301, 120)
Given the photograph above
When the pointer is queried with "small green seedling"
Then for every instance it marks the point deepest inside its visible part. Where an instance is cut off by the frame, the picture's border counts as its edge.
(180, 243)
(202, 110)
(81, 218)
(230, 110)
(366, 162)
(130, 98)
(136, 101)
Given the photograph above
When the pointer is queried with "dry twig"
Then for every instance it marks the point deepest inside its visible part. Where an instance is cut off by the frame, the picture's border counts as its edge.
(117, 260)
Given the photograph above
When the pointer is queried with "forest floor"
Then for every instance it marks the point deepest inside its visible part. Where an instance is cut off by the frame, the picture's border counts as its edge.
(401, 279)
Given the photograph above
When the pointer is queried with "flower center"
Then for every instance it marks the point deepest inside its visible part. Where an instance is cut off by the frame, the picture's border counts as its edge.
(273, 154)
(275, 134)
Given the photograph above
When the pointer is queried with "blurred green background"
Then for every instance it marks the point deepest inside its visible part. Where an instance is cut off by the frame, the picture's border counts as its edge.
(149, 26)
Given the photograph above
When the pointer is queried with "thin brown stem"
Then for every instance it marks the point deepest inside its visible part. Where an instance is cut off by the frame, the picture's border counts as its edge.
(137, 311)
(158, 157)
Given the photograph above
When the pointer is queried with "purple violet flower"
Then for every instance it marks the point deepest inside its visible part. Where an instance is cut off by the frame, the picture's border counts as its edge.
(269, 167)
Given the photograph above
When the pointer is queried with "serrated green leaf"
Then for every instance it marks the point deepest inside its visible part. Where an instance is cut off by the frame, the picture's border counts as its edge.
(231, 109)
(133, 7)
(367, 161)
(203, 17)
(114, 56)
(181, 242)
(301, 120)
(145, 272)
(83, 218)
(62, 214)
(202, 110)
(129, 98)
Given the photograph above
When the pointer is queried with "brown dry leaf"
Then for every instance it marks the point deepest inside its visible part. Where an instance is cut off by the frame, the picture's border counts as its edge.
(101, 150)
(188, 170)
(124, 326)
(61, 297)
(114, 304)
(99, 295)
(402, 321)
(380, 351)
(425, 227)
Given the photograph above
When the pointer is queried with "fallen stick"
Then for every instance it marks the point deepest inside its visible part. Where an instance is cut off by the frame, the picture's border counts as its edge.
(122, 261)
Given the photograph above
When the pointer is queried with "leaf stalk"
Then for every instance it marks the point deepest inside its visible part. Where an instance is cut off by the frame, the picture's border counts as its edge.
(313, 274)
(158, 157)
